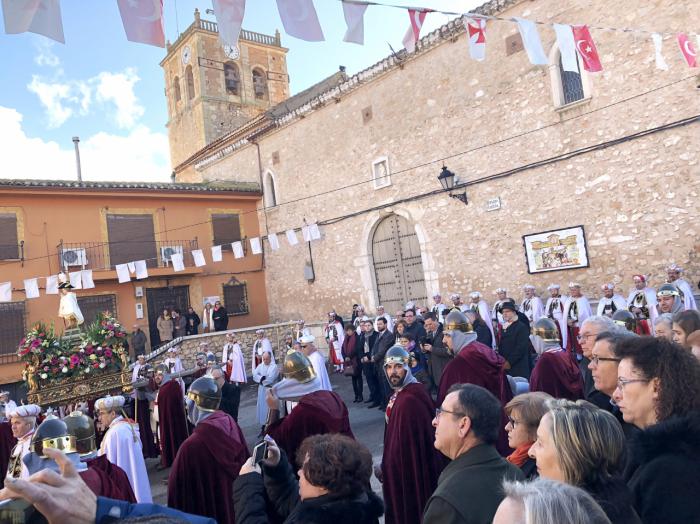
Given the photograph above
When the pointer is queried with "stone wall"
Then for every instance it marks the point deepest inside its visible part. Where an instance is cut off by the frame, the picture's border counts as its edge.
(637, 199)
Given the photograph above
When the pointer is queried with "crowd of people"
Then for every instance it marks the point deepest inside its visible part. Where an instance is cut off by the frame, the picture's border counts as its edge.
(532, 412)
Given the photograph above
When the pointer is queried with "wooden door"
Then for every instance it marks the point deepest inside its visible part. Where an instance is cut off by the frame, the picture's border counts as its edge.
(160, 298)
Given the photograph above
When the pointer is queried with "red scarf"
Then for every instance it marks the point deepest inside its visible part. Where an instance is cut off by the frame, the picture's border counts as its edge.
(520, 456)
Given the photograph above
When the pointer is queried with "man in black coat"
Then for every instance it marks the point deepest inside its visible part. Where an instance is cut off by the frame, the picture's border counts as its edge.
(438, 353)
(220, 317)
(382, 343)
(230, 393)
(365, 343)
(515, 343)
(413, 326)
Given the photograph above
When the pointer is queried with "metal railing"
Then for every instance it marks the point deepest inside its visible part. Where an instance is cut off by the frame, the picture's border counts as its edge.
(251, 36)
(106, 255)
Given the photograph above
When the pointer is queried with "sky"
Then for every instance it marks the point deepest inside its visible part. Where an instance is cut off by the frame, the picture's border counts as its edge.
(110, 93)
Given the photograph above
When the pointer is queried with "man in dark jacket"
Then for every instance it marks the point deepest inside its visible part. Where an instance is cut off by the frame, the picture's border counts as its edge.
(433, 346)
(138, 341)
(230, 392)
(413, 326)
(515, 343)
(193, 321)
(220, 317)
(179, 324)
(469, 488)
(365, 343)
(382, 343)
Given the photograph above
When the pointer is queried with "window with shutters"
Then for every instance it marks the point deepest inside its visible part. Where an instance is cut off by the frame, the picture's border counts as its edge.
(91, 306)
(259, 84)
(189, 77)
(232, 78)
(131, 237)
(236, 298)
(226, 228)
(12, 326)
(9, 241)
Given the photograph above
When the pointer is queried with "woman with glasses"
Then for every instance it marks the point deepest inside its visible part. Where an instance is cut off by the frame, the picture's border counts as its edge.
(524, 414)
(581, 445)
(658, 390)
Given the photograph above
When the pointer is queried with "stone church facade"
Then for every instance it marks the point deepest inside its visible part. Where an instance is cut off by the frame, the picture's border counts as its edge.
(616, 152)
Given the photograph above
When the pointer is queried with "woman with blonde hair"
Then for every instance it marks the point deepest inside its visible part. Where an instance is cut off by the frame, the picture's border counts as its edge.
(584, 446)
(524, 414)
(164, 325)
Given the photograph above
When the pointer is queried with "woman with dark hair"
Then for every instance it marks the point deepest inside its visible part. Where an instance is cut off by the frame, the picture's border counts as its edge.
(483, 334)
(524, 414)
(333, 485)
(351, 358)
(164, 325)
(658, 390)
(400, 327)
(684, 323)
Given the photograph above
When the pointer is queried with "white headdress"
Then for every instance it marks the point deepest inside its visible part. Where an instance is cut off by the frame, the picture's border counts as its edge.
(110, 403)
(553, 286)
(28, 410)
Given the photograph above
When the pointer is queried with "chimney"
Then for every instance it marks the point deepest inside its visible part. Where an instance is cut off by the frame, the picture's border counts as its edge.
(76, 141)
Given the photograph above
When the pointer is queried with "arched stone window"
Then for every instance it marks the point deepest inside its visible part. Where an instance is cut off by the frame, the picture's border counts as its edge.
(176, 89)
(232, 78)
(259, 84)
(190, 82)
(269, 189)
(568, 87)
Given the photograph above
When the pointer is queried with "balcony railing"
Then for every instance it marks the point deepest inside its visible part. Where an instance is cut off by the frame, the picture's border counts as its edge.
(106, 255)
(251, 36)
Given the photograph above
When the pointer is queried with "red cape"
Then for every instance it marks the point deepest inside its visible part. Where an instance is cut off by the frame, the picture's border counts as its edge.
(148, 441)
(172, 426)
(478, 364)
(7, 442)
(556, 374)
(410, 464)
(317, 413)
(202, 476)
(113, 481)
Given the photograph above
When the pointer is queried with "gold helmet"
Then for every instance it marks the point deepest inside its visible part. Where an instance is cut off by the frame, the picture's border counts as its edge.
(625, 319)
(53, 433)
(298, 367)
(546, 329)
(456, 320)
(396, 355)
(205, 393)
(82, 428)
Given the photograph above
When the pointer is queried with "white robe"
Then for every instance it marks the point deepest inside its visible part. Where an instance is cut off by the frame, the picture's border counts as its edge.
(207, 321)
(335, 338)
(122, 445)
(535, 311)
(318, 361)
(259, 347)
(485, 314)
(584, 310)
(68, 308)
(558, 315)
(175, 366)
(271, 373)
(618, 300)
(10, 406)
(688, 298)
(439, 309)
(21, 448)
(233, 353)
(650, 295)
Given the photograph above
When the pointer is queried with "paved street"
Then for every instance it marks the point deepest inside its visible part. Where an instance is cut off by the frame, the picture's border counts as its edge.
(367, 425)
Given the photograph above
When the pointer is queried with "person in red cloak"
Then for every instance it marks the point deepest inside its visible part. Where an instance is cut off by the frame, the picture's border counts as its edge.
(102, 477)
(474, 363)
(7, 442)
(144, 393)
(410, 466)
(202, 476)
(170, 414)
(555, 371)
(317, 411)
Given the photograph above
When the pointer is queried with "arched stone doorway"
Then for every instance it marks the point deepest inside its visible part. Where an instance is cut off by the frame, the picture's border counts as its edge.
(398, 268)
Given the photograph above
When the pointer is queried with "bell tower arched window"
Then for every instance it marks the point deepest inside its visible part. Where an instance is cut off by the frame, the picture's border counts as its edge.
(259, 84)
(232, 79)
(190, 82)
(269, 190)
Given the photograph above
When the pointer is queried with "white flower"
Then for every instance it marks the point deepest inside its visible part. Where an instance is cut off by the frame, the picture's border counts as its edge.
(87, 370)
(64, 370)
(102, 365)
(44, 376)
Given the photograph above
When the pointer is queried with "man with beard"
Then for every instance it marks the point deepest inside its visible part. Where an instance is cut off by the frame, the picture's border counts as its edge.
(555, 371)
(474, 363)
(318, 361)
(532, 306)
(610, 301)
(201, 480)
(554, 309)
(674, 277)
(381, 313)
(576, 310)
(317, 412)
(668, 300)
(169, 412)
(365, 343)
(260, 346)
(382, 343)
(641, 302)
(434, 348)
(409, 469)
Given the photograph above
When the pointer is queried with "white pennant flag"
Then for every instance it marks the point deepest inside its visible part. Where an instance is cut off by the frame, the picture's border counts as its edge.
(131, 266)
(86, 276)
(300, 20)
(531, 41)
(305, 233)
(31, 288)
(292, 237)
(141, 269)
(412, 36)
(216, 254)
(52, 285)
(76, 279)
(177, 262)
(198, 256)
(315, 232)
(255, 246)
(567, 47)
(237, 249)
(274, 241)
(5, 291)
(476, 35)
(42, 17)
(229, 16)
(123, 274)
(354, 18)
(657, 39)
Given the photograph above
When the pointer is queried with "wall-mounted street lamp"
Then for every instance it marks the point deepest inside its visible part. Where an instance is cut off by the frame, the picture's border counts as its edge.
(447, 180)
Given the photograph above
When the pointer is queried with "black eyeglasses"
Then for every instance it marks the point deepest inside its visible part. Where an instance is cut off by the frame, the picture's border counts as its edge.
(595, 360)
(439, 411)
(512, 421)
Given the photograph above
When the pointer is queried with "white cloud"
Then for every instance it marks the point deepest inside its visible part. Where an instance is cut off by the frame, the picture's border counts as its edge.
(45, 55)
(118, 88)
(55, 97)
(141, 155)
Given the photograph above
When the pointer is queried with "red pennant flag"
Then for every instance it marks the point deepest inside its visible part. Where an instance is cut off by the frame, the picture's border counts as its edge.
(143, 21)
(413, 34)
(688, 50)
(586, 49)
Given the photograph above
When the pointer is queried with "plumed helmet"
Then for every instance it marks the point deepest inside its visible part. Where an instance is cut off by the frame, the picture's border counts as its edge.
(82, 428)
(624, 318)
(205, 393)
(546, 329)
(53, 433)
(396, 355)
(667, 290)
(298, 367)
(456, 320)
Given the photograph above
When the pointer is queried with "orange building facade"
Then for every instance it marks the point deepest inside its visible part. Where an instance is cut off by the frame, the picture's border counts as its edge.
(48, 227)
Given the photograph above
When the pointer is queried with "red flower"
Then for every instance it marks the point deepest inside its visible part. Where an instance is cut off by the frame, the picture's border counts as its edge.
(96, 365)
